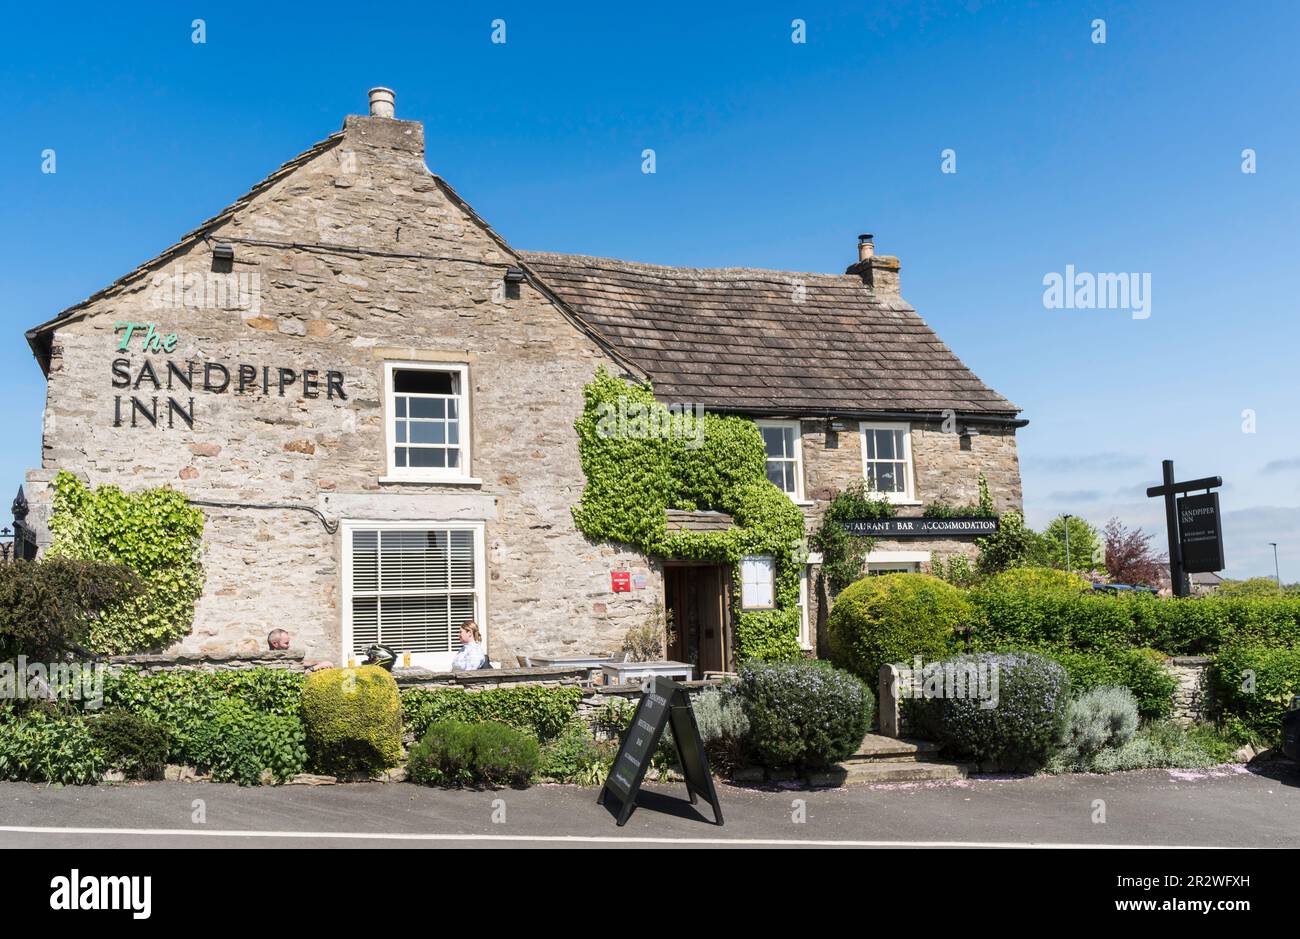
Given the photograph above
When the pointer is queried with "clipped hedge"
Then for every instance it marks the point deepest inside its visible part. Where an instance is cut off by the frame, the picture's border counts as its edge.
(353, 718)
(1251, 687)
(457, 753)
(801, 715)
(1141, 671)
(1030, 608)
(1021, 729)
(542, 711)
(240, 744)
(133, 744)
(183, 702)
(892, 618)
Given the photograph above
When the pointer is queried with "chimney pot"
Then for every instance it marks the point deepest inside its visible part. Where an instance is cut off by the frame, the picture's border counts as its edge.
(381, 102)
(866, 246)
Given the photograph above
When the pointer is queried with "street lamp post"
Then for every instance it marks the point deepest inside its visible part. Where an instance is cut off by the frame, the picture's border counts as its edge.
(1066, 519)
(1277, 576)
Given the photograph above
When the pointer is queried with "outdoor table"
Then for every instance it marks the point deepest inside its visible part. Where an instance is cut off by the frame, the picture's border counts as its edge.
(621, 673)
(591, 663)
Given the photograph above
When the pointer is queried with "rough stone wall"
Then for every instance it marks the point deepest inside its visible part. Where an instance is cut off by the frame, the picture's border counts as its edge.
(1191, 673)
(946, 467)
(431, 288)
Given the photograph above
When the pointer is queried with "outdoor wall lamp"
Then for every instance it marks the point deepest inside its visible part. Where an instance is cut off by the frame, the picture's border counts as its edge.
(514, 275)
(223, 250)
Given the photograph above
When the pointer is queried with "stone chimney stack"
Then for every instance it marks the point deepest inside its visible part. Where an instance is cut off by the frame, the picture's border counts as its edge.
(381, 103)
(879, 272)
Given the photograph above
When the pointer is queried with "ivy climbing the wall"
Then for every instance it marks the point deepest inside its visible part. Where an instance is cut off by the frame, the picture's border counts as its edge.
(635, 472)
(157, 534)
(844, 555)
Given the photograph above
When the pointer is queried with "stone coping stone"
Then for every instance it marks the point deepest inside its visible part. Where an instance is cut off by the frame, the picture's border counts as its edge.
(1189, 660)
(288, 657)
(487, 676)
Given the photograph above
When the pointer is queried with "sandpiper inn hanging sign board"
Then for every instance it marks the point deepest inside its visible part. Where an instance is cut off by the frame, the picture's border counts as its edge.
(159, 392)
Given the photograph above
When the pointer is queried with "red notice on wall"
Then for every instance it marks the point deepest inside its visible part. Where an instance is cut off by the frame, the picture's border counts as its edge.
(620, 581)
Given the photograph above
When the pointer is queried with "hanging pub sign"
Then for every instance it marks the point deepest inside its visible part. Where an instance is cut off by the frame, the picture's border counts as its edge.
(1200, 533)
(664, 703)
(965, 526)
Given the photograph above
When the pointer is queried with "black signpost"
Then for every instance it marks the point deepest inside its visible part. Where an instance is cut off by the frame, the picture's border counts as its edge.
(664, 704)
(1195, 535)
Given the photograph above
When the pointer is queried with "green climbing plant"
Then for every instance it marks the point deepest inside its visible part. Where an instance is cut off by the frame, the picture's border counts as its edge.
(634, 475)
(157, 534)
(844, 555)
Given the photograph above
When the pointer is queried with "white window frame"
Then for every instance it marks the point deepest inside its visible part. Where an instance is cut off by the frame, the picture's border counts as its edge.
(908, 496)
(770, 562)
(457, 474)
(436, 661)
(906, 561)
(798, 495)
(805, 628)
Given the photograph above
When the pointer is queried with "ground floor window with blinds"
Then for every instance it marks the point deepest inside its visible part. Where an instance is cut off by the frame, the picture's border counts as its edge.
(410, 587)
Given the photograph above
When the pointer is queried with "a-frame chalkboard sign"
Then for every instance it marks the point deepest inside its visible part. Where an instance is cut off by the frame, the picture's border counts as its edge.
(664, 704)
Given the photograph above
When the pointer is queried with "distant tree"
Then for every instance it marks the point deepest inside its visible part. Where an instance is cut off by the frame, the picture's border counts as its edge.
(1130, 558)
(1252, 587)
(1014, 544)
(1086, 552)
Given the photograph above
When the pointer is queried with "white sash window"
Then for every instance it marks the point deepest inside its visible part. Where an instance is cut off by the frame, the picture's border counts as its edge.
(409, 586)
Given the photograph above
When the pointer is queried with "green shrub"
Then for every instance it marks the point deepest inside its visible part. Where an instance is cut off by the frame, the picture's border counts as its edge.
(1156, 745)
(239, 744)
(801, 715)
(1141, 671)
(456, 753)
(576, 756)
(51, 605)
(542, 711)
(720, 715)
(183, 702)
(892, 618)
(40, 746)
(135, 745)
(1250, 689)
(1103, 717)
(1021, 728)
(353, 718)
(157, 534)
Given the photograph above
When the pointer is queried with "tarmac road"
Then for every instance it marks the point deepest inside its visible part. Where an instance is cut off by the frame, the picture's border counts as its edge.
(1229, 806)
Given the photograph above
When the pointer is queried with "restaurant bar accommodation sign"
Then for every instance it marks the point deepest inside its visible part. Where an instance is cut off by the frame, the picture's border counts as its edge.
(156, 390)
(1200, 533)
(966, 526)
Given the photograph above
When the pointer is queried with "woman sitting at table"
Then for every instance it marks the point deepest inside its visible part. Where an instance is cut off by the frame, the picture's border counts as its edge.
(472, 655)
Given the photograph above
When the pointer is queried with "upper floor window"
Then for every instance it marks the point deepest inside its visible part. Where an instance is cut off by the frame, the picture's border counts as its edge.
(887, 459)
(784, 456)
(428, 413)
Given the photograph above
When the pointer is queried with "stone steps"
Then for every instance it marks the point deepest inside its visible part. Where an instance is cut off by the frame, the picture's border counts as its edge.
(884, 760)
(878, 749)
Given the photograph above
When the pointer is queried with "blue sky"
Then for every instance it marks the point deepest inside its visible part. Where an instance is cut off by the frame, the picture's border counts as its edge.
(1115, 157)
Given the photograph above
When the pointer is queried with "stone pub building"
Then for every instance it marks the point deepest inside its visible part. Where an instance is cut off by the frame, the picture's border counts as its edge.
(372, 396)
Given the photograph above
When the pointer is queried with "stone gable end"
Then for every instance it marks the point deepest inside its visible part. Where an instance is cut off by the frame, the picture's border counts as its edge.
(357, 256)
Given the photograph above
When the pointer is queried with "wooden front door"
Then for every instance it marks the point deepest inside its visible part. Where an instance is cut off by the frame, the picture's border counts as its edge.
(697, 600)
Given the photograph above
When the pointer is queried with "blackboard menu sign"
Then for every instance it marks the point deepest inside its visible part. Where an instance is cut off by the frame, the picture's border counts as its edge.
(664, 704)
(1200, 533)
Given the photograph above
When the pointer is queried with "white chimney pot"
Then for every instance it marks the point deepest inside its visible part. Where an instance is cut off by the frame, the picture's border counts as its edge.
(381, 102)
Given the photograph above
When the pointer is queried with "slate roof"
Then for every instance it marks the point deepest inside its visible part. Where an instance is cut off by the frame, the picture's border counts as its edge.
(749, 340)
